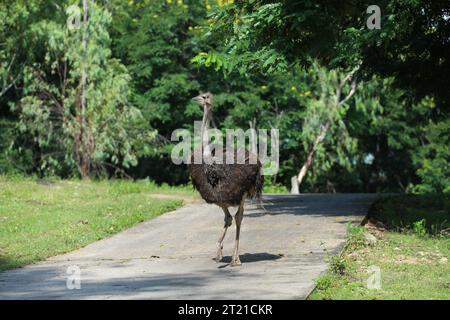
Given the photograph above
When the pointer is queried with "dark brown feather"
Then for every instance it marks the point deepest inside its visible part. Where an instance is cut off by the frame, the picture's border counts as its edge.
(227, 184)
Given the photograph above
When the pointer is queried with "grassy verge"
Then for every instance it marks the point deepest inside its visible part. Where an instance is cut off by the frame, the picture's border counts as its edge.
(39, 220)
(411, 250)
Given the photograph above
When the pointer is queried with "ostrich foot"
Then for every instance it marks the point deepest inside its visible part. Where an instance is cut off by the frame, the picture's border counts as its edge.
(219, 255)
(235, 261)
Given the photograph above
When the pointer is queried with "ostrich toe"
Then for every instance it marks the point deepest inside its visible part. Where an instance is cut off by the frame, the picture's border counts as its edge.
(235, 261)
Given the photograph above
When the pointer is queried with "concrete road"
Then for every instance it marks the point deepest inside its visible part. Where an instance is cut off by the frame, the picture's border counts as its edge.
(171, 257)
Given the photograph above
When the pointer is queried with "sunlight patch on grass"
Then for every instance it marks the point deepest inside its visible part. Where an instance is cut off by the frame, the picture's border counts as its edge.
(412, 252)
(39, 220)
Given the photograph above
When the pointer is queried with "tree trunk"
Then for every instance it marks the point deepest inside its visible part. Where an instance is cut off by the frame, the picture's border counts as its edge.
(297, 180)
(84, 164)
(294, 185)
(85, 169)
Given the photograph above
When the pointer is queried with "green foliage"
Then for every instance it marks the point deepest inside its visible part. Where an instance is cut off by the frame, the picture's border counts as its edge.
(336, 34)
(418, 214)
(434, 159)
(10, 13)
(268, 64)
(356, 237)
(324, 282)
(155, 40)
(337, 265)
(419, 228)
(266, 37)
(7, 130)
(321, 109)
(272, 187)
(52, 113)
(6, 127)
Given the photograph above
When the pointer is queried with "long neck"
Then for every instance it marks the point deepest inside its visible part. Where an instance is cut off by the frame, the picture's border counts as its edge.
(204, 132)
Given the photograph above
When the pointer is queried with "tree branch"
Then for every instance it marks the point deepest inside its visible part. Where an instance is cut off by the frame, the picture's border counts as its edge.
(350, 94)
(348, 77)
(5, 89)
(5, 86)
(323, 130)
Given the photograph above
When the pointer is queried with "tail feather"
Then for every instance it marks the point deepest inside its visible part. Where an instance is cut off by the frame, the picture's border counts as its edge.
(259, 184)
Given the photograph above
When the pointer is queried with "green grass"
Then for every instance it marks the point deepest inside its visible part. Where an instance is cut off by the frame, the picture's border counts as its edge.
(38, 221)
(412, 252)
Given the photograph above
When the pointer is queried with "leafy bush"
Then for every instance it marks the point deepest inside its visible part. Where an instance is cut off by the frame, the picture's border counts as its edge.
(271, 187)
(419, 228)
(324, 282)
(421, 214)
(6, 128)
(356, 237)
(337, 265)
(434, 159)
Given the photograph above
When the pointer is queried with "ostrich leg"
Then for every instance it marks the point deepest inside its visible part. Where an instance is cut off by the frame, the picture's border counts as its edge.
(228, 219)
(235, 261)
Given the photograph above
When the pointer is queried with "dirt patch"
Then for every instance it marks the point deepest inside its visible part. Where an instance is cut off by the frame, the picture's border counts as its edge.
(375, 227)
(421, 258)
(402, 259)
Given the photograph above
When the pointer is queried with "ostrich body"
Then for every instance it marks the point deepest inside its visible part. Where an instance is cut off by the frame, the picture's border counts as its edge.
(226, 185)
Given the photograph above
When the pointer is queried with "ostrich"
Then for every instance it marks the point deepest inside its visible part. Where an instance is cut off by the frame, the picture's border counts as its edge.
(226, 185)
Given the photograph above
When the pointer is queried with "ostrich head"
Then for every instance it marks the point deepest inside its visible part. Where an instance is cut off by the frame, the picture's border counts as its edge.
(204, 99)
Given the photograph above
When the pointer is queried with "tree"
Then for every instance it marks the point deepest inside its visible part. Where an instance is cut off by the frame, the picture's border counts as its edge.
(326, 113)
(75, 105)
(10, 69)
(7, 78)
(434, 159)
(412, 43)
(411, 48)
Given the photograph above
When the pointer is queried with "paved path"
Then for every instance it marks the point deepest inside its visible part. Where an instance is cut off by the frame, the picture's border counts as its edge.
(171, 257)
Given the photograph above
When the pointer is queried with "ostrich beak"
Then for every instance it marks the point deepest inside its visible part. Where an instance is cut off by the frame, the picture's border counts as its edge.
(198, 99)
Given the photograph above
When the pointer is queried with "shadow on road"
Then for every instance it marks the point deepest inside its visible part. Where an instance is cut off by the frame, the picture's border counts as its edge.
(252, 257)
(52, 281)
(312, 204)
